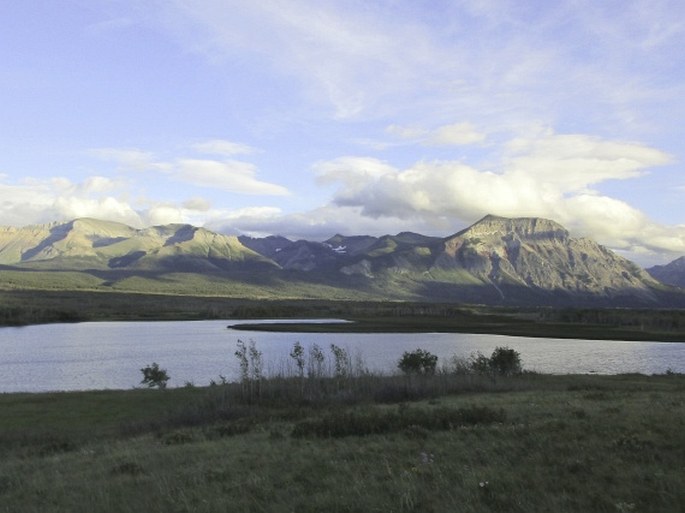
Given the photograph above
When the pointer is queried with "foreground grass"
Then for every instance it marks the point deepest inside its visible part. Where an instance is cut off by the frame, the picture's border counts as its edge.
(464, 443)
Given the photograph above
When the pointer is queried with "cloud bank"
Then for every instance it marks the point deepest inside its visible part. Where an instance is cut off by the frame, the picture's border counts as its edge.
(550, 175)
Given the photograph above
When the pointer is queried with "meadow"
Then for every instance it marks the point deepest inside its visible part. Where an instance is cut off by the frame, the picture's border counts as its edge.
(344, 440)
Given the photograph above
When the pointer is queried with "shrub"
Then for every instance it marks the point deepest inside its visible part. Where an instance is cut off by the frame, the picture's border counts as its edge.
(418, 361)
(342, 362)
(503, 362)
(316, 362)
(153, 376)
(481, 364)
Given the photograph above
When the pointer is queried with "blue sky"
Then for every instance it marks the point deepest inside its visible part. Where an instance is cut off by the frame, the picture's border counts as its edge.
(308, 118)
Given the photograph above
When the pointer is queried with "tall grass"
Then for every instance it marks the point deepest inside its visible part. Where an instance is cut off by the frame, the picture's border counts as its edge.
(566, 444)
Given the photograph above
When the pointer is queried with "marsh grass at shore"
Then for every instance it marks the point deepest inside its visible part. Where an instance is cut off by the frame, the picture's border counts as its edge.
(367, 443)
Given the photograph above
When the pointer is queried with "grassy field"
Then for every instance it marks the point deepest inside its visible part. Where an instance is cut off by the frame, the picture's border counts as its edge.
(450, 442)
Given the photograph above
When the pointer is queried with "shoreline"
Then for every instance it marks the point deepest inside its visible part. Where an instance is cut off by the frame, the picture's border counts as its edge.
(427, 325)
(25, 308)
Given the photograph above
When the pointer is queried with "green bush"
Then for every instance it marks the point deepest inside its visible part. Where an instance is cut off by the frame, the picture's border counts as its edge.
(503, 362)
(418, 361)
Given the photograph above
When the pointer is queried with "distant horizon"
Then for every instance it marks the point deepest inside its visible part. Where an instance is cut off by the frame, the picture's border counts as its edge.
(306, 118)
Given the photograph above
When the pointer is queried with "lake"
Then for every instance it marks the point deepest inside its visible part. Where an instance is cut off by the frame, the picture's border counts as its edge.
(109, 355)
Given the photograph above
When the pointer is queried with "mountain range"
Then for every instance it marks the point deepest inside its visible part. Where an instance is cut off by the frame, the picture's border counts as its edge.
(521, 261)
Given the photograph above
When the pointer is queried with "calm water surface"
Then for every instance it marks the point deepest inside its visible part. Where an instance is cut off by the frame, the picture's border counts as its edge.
(110, 354)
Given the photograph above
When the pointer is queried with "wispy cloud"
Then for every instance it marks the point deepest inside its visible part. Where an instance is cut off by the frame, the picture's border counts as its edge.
(495, 61)
(346, 57)
(455, 134)
(130, 158)
(231, 175)
(224, 147)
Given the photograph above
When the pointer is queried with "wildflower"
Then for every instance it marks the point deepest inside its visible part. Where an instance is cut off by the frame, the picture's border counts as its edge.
(484, 484)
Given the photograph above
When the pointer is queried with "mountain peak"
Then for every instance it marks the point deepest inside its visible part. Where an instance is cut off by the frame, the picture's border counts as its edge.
(526, 227)
(672, 273)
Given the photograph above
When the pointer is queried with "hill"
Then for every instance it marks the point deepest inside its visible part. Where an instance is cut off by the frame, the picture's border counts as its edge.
(104, 245)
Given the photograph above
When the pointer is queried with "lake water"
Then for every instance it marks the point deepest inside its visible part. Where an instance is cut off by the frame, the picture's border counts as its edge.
(109, 355)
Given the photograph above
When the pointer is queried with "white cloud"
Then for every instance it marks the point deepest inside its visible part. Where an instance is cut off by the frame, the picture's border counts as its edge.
(197, 204)
(35, 201)
(458, 134)
(72, 207)
(406, 132)
(577, 161)
(163, 214)
(224, 147)
(550, 176)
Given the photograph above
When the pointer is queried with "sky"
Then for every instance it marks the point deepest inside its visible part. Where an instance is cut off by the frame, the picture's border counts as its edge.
(307, 118)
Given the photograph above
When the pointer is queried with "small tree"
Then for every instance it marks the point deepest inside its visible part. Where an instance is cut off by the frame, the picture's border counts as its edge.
(505, 361)
(297, 354)
(480, 364)
(418, 361)
(153, 376)
(241, 355)
(316, 361)
(251, 369)
(256, 363)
